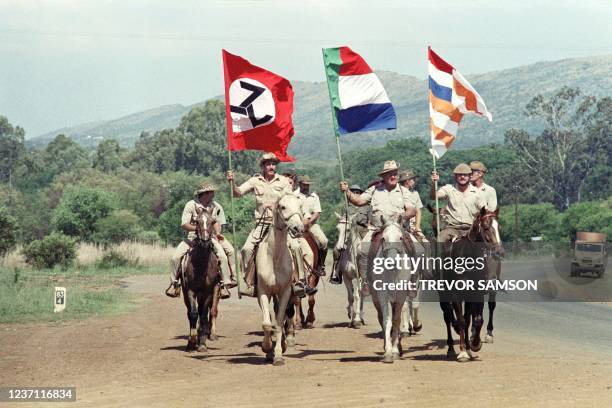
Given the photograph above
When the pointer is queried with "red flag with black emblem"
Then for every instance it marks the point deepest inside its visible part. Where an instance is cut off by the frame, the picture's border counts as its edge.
(258, 108)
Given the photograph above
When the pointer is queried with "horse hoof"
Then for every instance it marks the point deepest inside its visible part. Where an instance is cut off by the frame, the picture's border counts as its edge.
(388, 358)
(405, 334)
(489, 338)
(417, 328)
(472, 356)
(356, 324)
(278, 361)
(202, 348)
(363, 322)
(475, 344)
(291, 341)
(213, 337)
(463, 357)
(309, 325)
(269, 357)
(451, 355)
(396, 356)
(266, 345)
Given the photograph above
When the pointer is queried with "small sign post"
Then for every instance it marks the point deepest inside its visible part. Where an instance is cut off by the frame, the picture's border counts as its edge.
(59, 299)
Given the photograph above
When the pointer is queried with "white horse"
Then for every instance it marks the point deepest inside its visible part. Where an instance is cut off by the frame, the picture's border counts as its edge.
(274, 274)
(347, 246)
(389, 302)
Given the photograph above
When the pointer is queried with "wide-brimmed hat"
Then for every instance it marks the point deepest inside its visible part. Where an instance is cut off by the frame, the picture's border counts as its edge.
(205, 188)
(268, 157)
(476, 165)
(304, 180)
(406, 175)
(390, 165)
(462, 168)
(355, 187)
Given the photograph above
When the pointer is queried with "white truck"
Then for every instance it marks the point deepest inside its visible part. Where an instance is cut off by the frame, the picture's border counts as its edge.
(590, 253)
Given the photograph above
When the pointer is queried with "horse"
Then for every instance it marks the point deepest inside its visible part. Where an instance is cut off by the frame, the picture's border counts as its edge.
(274, 275)
(347, 246)
(483, 232)
(389, 302)
(200, 284)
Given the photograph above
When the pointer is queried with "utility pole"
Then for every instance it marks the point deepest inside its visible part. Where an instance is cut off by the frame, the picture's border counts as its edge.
(515, 189)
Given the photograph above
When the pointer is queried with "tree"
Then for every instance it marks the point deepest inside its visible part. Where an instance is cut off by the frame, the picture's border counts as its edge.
(108, 156)
(80, 208)
(118, 226)
(12, 149)
(535, 220)
(8, 227)
(587, 216)
(572, 143)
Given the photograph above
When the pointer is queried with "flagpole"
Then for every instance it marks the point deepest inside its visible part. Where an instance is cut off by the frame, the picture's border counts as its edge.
(433, 155)
(335, 125)
(236, 265)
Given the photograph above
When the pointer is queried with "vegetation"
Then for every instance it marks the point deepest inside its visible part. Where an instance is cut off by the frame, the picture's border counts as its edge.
(54, 249)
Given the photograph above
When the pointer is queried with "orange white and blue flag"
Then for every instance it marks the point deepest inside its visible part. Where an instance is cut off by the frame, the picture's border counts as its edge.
(450, 97)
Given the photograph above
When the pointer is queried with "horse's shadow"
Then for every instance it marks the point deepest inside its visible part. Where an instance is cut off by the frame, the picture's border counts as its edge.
(335, 325)
(432, 345)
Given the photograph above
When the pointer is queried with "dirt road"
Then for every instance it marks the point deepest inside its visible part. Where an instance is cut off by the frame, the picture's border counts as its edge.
(139, 360)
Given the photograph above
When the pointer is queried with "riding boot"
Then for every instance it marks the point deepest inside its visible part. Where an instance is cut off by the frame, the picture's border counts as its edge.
(335, 277)
(321, 255)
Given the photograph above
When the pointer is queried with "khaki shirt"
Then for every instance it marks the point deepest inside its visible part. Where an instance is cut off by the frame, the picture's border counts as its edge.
(489, 196)
(462, 208)
(310, 204)
(387, 203)
(190, 214)
(415, 201)
(266, 192)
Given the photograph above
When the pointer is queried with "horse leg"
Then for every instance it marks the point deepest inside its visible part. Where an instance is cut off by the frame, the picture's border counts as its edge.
(463, 355)
(447, 312)
(213, 313)
(290, 322)
(405, 323)
(350, 309)
(492, 304)
(204, 304)
(476, 312)
(387, 324)
(281, 341)
(359, 301)
(268, 329)
(396, 338)
(310, 319)
(192, 316)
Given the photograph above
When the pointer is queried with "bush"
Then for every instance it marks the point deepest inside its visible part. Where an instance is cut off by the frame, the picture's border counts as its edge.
(7, 232)
(148, 237)
(119, 226)
(80, 208)
(114, 259)
(54, 249)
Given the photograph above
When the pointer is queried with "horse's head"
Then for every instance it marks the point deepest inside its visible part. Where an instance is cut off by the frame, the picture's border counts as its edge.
(204, 222)
(392, 234)
(289, 215)
(344, 226)
(486, 229)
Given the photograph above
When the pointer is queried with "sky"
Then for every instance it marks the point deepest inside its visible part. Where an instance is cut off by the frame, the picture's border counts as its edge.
(68, 62)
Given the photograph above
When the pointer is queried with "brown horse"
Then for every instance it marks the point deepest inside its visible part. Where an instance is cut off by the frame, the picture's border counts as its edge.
(311, 263)
(482, 237)
(200, 285)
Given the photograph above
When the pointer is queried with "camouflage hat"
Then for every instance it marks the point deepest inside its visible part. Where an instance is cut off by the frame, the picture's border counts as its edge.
(476, 165)
(355, 187)
(406, 175)
(304, 180)
(268, 157)
(390, 165)
(462, 168)
(205, 188)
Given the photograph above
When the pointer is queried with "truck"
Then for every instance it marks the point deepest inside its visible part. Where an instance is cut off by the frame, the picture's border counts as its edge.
(590, 253)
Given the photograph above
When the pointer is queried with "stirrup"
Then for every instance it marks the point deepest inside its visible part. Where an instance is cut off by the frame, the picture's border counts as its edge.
(335, 280)
(174, 290)
(224, 292)
(299, 289)
(247, 290)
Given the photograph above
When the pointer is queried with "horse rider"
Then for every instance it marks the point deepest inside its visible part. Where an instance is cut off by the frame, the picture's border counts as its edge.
(387, 199)
(267, 186)
(464, 201)
(408, 180)
(362, 218)
(301, 287)
(486, 191)
(204, 200)
(311, 211)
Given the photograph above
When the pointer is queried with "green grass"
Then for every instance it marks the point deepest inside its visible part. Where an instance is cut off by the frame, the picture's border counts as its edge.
(27, 295)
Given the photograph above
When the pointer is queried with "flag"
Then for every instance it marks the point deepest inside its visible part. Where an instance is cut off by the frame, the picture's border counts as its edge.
(258, 106)
(359, 101)
(450, 97)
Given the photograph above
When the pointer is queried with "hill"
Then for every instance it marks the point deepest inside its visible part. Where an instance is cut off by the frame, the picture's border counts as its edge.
(506, 93)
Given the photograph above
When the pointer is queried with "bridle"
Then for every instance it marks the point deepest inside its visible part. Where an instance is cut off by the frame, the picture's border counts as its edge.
(280, 216)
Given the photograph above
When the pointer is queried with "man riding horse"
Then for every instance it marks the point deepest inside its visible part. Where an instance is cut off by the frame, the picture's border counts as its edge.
(224, 251)
(486, 191)
(387, 199)
(267, 187)
(311, 211)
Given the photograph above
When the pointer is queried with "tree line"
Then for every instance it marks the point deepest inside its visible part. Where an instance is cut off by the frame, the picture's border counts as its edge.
(561, 178)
